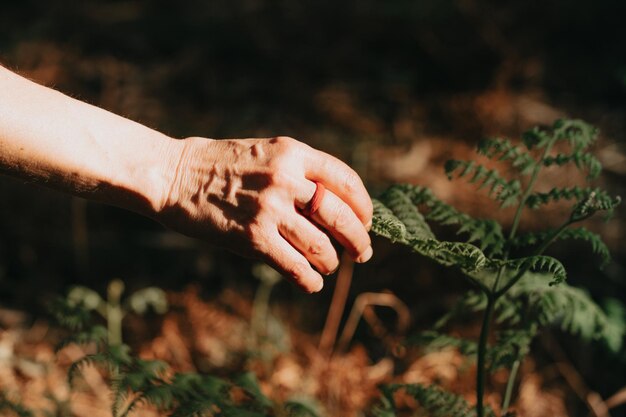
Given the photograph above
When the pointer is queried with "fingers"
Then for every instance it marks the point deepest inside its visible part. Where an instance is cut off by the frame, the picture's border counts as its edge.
(342, 181)
(311, 242)
(293, 265)
(338, 218)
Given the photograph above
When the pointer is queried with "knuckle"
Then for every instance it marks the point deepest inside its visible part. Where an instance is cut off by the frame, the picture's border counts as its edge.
(281, 178)
(341, 218)
(283, 141)
(319, 245)
(297, 269)
(351, 182)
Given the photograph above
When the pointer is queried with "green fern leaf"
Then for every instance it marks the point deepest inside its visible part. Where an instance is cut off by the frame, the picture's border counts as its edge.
(571, 309)
(582, 160)
(432, 399)
(400, 204)
(432, 341)
(505, 191)
(536, 238)
(74, 317)
(504, 150)
(540, 263)
(578, 133)
(302, 408)
(486, 234)
(511, 345)
(95, 334)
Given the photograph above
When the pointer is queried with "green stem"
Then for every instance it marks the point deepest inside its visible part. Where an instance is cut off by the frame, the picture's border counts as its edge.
(537, 252)
(114, 312)
(482, 356)
(529, 190)
(509, 385)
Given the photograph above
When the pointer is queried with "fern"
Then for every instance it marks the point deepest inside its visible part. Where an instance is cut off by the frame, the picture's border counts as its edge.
(505, 191)
(505, 150)
(434, 400)
(95, 334)
(537, 263)
(485, 233)
(569, 308)
(582, 160)
(510, 346)
(520, 291)
(602, 200)
(580, 233)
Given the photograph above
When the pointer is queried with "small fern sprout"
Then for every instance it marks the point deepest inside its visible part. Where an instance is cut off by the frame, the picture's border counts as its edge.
(521, 294)
(113, 309)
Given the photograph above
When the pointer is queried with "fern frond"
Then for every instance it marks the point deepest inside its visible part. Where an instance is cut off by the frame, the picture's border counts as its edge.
(536, 238)
(539, 263)
(250, 384)
(486, 234)
(535, 200)
(505, 191)
(511, 345)
(414, 224)
(74, 317)
(504, 150)
(95, 334)
(433, 399)
(140, 379)
(534, 300)
(302, 408)
(578, 133)
(399, 220)
(582, 160)
(96, 359)
(110, 359)
(432, 340)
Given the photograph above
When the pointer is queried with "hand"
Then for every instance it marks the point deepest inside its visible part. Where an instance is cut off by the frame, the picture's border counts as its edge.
(247, 195)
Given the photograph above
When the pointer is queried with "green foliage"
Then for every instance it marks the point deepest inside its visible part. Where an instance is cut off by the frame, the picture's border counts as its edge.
(135, 381)
(579, 233)
(521, 291)
(507, 192)
(510, 346)
(434, 400)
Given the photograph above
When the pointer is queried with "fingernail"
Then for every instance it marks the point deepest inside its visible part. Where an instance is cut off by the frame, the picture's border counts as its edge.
(368, 226)
(333, 271)
(366, 255)
(320, 286)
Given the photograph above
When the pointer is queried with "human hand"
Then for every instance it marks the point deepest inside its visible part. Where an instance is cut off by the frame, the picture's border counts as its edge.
(248, 195)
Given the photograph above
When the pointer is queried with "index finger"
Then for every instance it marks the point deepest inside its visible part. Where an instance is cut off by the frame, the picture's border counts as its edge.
(342, 181)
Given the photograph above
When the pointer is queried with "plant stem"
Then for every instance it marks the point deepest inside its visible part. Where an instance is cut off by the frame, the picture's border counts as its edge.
(537, 252)
(115, 312)
(482, 355)
(509, 385)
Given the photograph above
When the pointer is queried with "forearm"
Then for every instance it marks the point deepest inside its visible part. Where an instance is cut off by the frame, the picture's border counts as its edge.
(54, 140)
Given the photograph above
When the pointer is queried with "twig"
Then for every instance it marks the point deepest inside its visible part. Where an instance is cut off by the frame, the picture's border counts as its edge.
(370, 299)
(592, 399)
(337, 305)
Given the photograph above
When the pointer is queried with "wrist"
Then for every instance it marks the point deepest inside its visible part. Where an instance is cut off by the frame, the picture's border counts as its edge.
(159, 174)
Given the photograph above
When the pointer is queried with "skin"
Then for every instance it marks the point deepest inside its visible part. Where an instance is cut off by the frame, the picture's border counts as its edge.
(245, 195)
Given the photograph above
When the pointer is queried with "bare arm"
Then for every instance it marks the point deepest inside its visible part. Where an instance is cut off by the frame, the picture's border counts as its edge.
(241, 194)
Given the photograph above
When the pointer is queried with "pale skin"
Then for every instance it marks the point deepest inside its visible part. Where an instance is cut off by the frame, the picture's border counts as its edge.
(245, 195)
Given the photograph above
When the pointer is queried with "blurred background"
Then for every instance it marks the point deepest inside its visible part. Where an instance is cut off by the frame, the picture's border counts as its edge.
(393, 88)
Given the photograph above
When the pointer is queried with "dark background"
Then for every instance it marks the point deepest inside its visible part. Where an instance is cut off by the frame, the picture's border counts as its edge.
(375, 83)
